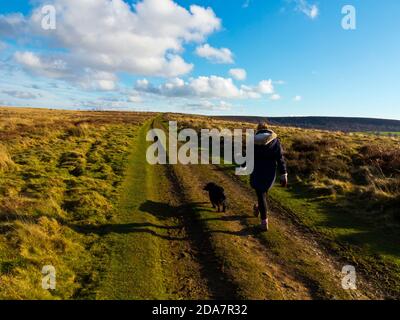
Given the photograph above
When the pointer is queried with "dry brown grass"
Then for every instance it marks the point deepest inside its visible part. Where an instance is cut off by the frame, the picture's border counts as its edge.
(6, 162)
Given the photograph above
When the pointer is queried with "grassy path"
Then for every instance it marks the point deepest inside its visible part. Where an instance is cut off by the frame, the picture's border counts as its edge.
(151, 252)
(129, 275)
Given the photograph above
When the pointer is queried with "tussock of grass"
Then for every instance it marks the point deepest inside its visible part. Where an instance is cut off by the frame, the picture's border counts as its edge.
(5, 160)
(32, 246)
(74, 162)
(88, 206)
(78, 130)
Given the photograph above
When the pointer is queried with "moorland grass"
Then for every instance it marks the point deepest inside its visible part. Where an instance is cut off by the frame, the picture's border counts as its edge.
(59, 170)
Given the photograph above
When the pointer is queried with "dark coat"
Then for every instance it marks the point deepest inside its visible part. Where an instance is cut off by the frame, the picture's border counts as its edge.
(267, 159)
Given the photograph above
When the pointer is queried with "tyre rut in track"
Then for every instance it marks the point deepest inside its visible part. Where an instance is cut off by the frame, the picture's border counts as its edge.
(199, 245)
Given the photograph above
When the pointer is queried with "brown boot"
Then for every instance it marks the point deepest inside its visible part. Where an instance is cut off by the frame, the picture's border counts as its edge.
(264, 225)
(255, 211)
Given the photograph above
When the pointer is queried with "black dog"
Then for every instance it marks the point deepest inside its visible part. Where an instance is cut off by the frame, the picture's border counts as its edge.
(217, 196)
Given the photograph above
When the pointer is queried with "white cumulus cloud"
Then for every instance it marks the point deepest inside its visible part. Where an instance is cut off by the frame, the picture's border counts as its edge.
(112, 36)
(205, 105)
(212, 87)
(266, 87)
(222, 55)
(135, 99)
(55, 67)
(275, 97)
(238, 74)
(45, 66)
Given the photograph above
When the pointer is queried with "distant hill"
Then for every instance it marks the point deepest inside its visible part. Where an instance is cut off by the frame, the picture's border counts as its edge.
(326, 123)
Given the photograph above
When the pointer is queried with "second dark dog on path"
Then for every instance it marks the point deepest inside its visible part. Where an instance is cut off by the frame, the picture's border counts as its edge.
(217, 196)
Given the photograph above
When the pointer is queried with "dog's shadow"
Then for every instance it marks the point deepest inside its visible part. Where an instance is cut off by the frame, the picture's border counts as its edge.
(164, 212)
(246, 231)
(160, 210)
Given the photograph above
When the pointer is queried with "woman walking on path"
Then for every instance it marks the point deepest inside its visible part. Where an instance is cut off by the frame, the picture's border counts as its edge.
(268, 157)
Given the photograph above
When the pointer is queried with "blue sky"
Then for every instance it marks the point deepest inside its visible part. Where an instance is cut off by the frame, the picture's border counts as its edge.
(256, 57)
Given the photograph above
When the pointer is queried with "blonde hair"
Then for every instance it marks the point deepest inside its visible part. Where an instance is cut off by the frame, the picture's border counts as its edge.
(262, 126)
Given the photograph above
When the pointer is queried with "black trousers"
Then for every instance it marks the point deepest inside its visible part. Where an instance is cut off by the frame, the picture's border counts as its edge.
(262, 203)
